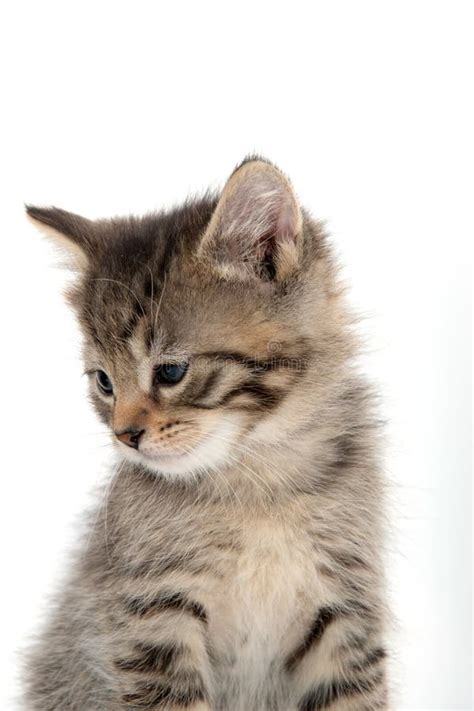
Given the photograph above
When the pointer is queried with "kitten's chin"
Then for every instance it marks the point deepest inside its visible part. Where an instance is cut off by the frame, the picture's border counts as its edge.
(210, 454)
(181, 465)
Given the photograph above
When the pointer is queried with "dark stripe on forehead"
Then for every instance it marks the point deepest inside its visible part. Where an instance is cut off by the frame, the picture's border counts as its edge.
(128, 326)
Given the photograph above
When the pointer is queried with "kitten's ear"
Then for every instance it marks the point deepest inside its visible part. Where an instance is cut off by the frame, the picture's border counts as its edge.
(72, 234)
(257, 224)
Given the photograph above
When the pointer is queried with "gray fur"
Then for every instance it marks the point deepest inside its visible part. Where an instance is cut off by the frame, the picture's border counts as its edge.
(249, 579)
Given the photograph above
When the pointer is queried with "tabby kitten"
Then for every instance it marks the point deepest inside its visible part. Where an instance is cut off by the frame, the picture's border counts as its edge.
(235, 565)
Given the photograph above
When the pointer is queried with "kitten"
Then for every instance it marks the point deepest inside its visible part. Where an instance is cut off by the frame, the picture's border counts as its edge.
(236, 565)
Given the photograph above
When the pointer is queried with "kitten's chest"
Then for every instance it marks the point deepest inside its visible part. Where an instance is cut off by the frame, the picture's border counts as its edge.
(263, 598)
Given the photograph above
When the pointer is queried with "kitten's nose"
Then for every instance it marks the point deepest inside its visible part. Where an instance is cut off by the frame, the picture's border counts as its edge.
(131, 436)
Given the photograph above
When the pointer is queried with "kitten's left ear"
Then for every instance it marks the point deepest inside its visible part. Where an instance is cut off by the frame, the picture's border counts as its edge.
(74, 235)
(257, 224)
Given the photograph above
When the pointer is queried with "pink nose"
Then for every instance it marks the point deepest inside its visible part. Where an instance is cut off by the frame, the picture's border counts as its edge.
(131, 436)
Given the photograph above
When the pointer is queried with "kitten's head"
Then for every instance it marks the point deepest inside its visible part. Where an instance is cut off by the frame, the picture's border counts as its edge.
(201, 324)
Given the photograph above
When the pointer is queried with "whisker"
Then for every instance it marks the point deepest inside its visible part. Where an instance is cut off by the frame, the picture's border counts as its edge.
(159, 303)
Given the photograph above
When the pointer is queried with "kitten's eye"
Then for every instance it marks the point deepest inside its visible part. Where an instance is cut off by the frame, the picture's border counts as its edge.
(103, 382)
(170, 373)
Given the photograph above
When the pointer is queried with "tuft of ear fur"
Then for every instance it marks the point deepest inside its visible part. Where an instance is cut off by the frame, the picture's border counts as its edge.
(72, 234)
(257, 224)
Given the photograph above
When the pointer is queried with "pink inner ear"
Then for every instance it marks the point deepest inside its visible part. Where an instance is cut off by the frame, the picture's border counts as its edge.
(282, 228)
(287, 221)
(257, 214)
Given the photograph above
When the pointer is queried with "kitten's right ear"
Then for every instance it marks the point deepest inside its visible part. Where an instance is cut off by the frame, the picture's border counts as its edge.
(72, 234)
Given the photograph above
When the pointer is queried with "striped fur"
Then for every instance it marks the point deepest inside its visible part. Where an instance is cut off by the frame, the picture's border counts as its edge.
(235, 563)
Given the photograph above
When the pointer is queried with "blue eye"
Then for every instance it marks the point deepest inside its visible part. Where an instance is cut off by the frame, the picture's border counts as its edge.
(170, 373)
(103, 382)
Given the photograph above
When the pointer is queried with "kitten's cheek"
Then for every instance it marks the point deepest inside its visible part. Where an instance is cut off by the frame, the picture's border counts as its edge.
(103, 410)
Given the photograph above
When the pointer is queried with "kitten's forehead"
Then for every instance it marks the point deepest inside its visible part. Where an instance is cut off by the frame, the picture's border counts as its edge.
(126, 282)
(148, 295)
(150, 313)
(133, 328)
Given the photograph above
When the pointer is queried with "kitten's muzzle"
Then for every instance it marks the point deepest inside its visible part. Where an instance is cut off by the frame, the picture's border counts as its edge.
(131, 436)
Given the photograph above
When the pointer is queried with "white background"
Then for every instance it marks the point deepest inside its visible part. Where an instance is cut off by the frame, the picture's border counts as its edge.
(111, 107)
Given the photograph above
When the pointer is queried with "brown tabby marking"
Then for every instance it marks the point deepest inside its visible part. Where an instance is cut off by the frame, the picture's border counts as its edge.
(235, 563)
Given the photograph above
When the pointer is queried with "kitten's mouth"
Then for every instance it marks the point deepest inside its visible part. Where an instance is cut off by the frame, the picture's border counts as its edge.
(210, 451)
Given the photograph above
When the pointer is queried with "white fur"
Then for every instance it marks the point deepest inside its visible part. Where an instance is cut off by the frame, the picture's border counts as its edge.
(211, 452)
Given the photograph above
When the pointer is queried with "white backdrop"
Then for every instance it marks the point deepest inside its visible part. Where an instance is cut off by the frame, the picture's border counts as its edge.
(111, 107)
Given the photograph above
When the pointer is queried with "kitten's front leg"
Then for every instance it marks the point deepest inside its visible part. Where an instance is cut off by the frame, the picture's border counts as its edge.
(161, 662)
(340, 663)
